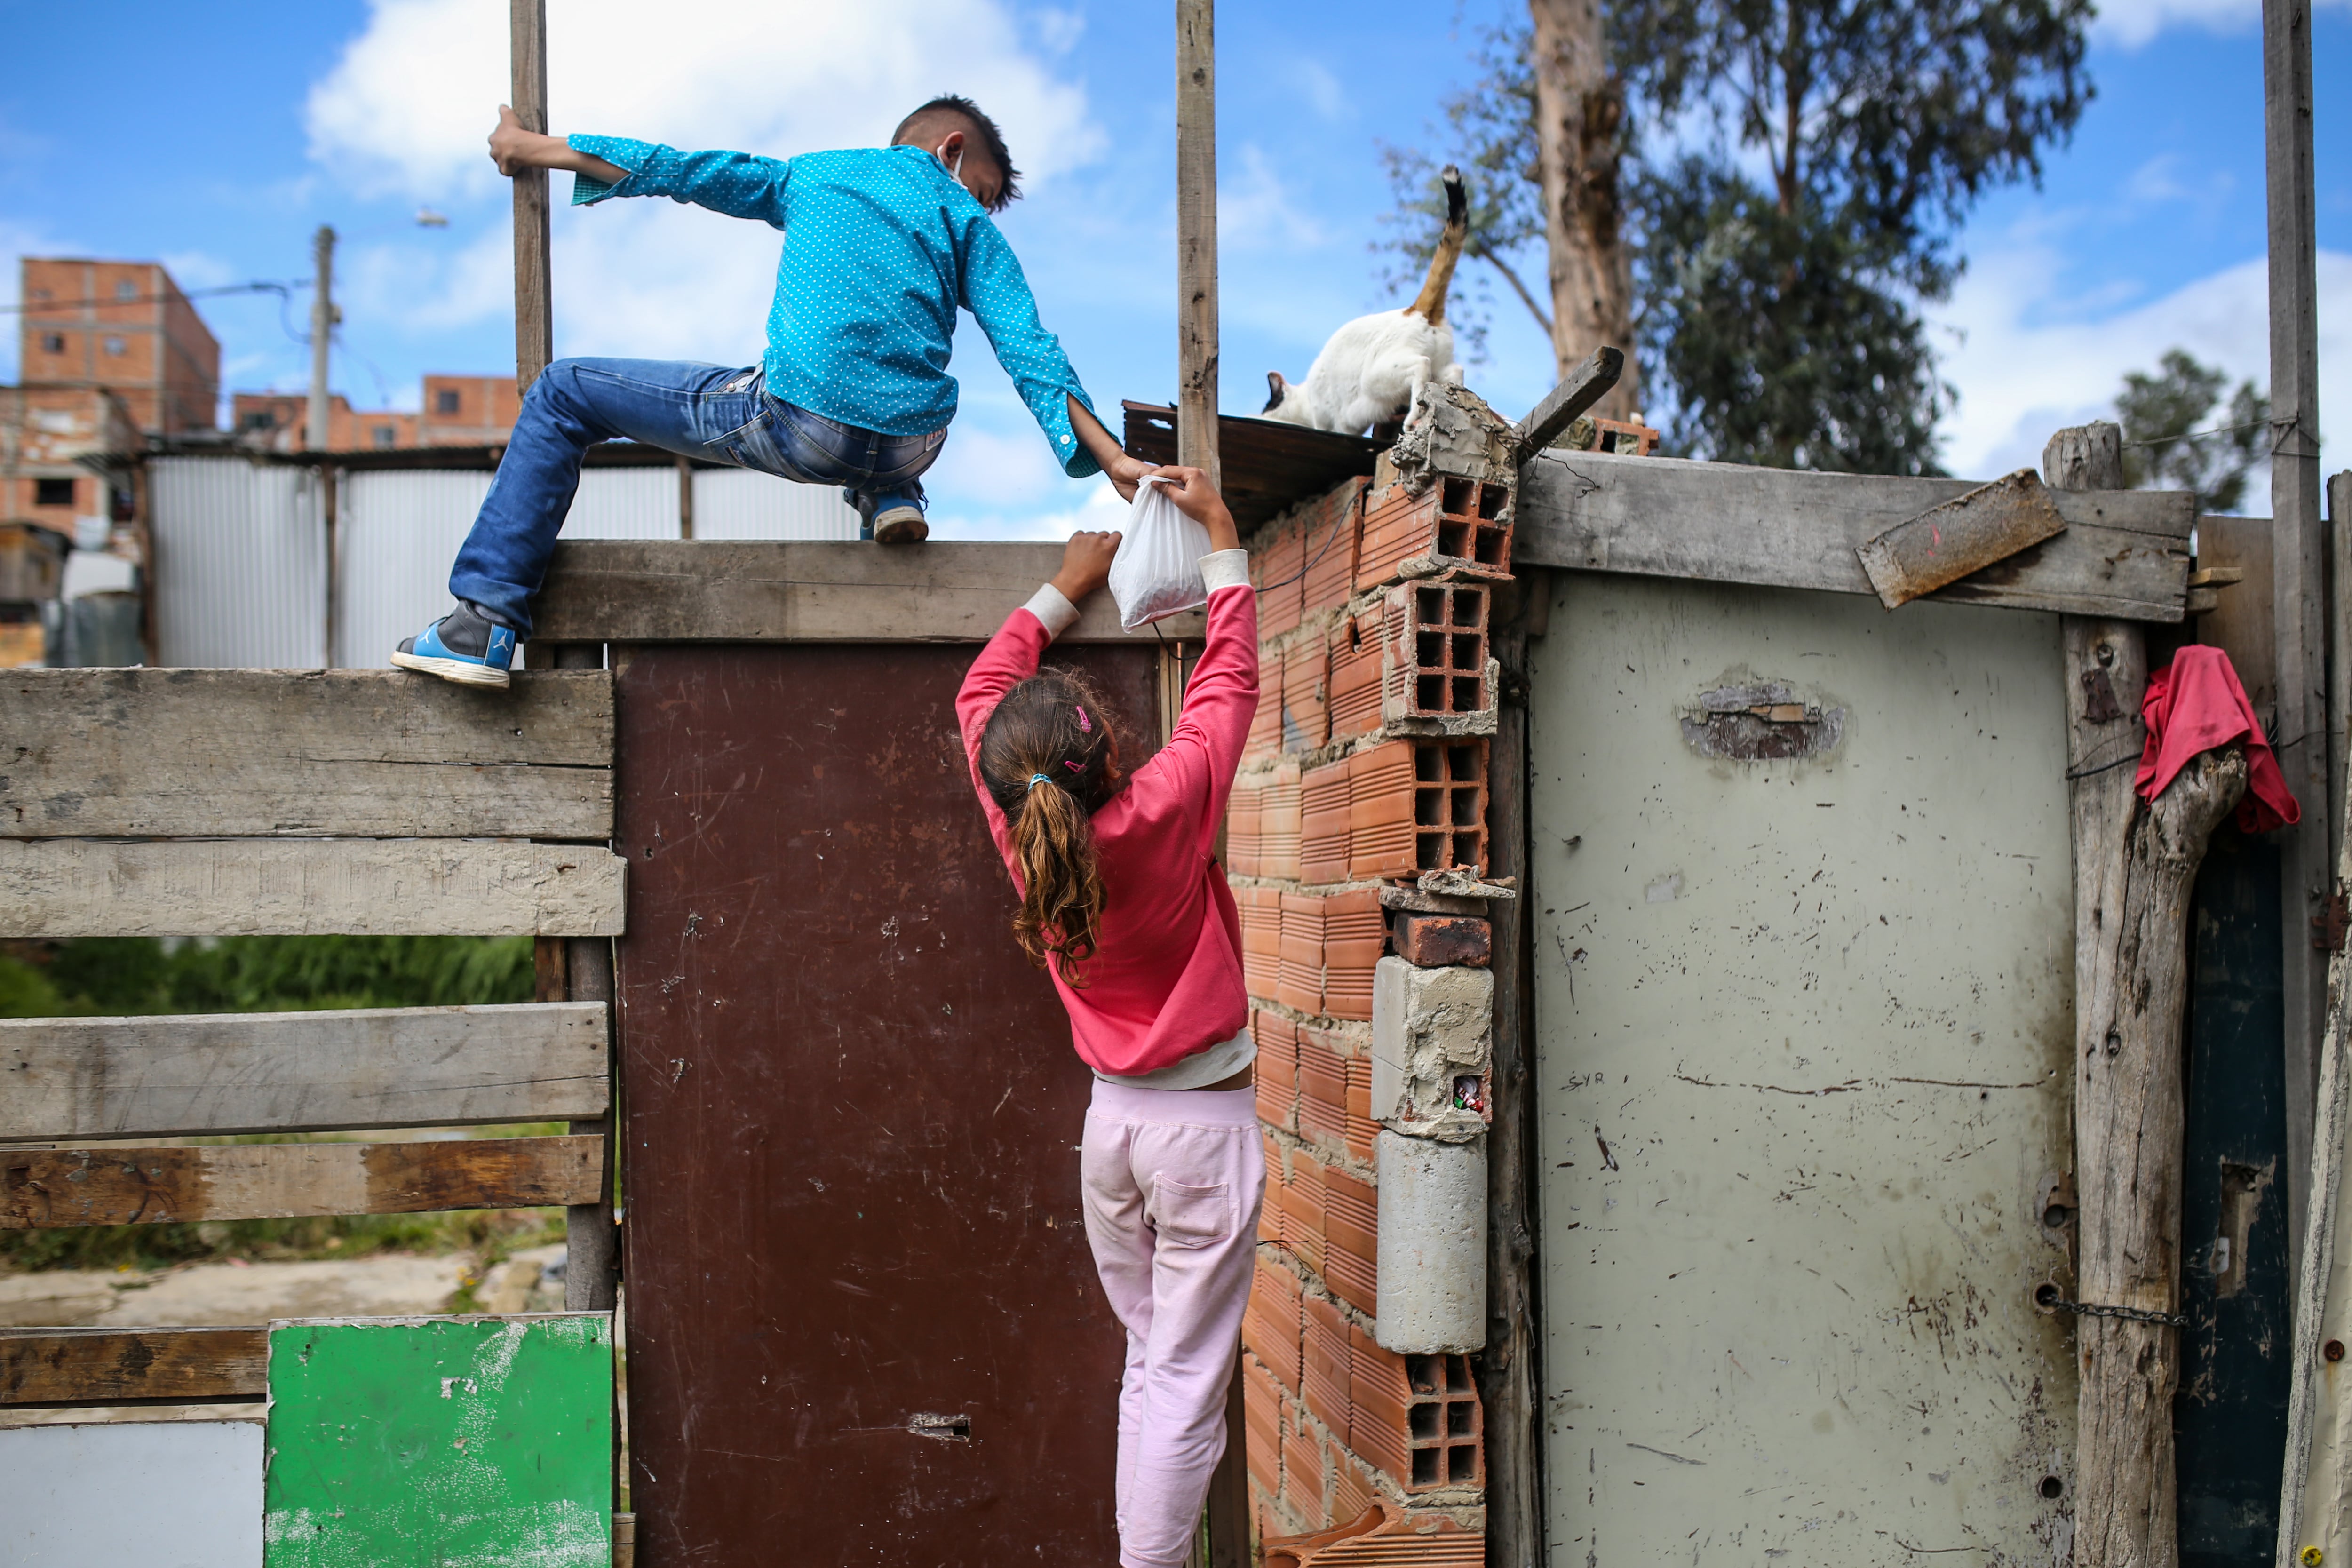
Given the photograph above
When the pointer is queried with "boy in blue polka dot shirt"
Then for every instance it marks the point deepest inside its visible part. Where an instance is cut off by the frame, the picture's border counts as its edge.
(882, 245)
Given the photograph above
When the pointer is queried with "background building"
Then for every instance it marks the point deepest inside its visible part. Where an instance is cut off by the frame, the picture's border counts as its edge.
(456, 411)
(123, 326)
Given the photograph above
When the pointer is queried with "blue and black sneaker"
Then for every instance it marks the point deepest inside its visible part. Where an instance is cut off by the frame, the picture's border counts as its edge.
(899, 520)
(464, 646)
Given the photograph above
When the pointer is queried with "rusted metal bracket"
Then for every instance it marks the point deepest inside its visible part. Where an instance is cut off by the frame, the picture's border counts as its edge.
(2328, 928)
(1966, 534)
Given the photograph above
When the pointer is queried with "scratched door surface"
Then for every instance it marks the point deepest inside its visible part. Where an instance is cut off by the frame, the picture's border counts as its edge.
(863, 1323)
(1803, 917)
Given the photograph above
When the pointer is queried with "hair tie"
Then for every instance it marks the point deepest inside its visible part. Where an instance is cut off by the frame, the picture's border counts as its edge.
(1036, 779)
(1086, 725)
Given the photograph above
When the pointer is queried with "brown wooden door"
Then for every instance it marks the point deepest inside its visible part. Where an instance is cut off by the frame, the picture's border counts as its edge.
(863, 1323)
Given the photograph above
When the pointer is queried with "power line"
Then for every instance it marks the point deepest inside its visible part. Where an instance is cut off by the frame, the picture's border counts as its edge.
(259, 286)
(2193, 434)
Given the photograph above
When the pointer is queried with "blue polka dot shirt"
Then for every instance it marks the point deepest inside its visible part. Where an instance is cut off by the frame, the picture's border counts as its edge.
(880, 246)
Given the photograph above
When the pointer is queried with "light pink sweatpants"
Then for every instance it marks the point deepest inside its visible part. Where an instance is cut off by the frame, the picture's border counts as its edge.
(1172, 1180)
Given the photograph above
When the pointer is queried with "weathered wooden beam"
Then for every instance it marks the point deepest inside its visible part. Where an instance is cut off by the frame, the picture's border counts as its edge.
(1586, 385)
(49, 1189)
(2318, 1469)
(2128, 1122)
(2125, 553)
(324, 753)
(2298, 728)
(216, 1073)
(132, 1366)
(2135, 865)
(534, 294)
(623, 590)
(307, 886)
(1196, 236)
(1945, 543)
(1508, 1385)
(592, 1273)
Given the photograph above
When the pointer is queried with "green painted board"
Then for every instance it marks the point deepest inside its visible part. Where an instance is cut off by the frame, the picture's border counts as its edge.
(468, 1442)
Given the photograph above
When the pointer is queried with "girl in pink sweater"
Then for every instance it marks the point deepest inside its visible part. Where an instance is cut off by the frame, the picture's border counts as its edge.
(1122, 899)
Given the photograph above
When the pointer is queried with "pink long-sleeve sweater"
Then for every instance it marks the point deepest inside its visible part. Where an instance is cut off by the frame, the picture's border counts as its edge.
(1165, 981)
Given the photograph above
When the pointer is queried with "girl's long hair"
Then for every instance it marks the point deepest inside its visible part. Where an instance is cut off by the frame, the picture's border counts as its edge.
(1053, 724)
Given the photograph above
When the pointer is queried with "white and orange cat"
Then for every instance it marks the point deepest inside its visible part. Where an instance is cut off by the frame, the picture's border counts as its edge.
(1372, 369)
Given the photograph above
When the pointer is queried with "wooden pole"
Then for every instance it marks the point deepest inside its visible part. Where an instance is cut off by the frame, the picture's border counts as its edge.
(1227, 1532)
(2298, 554)
(320, 434)
(535, 312)
(2134, 866)
(1507, 1383)
(1196, 236)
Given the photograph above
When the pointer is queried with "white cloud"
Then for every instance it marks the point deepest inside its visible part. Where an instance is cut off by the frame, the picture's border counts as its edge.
(2029, 360)
(2131, 23)
(953, 517)
(411, 102)
(1321, 89)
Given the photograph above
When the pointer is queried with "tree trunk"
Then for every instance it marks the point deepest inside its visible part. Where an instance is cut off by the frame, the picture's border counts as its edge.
(1579, 107)
(2127, 1123)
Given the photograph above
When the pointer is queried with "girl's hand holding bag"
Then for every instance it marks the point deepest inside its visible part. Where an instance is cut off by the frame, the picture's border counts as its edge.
(1156, 573)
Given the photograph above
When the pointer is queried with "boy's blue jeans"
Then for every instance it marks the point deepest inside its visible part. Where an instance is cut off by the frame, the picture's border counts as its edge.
(700, 410)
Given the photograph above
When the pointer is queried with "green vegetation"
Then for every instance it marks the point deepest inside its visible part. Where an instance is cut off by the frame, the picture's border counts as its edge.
(113, 977)
(2177, 437)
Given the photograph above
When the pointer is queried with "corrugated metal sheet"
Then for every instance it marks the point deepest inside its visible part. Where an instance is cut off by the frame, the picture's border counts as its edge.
(625, 503)
(737, 503)
(240, 564)
(400, 533)
(241, 553)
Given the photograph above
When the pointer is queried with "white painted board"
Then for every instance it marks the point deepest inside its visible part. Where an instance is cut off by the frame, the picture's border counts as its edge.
(1803, 1029)
(149, 1494)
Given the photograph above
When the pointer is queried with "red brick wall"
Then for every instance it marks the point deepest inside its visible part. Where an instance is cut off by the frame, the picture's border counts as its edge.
(1330, 805)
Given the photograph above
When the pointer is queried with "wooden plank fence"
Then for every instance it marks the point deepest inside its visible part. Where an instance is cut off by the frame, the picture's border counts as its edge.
(212, 803)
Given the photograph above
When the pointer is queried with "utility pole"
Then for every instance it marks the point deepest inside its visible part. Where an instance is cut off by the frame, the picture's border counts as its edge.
(2298, 554)
(1196, 235)
(323, 331)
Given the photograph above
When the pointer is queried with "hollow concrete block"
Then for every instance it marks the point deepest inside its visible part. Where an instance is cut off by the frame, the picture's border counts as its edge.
(1433, 1245)
(1431, 1028)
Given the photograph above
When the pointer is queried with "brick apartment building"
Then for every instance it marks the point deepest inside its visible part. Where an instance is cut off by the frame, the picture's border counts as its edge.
(109, 351)
(456, 411)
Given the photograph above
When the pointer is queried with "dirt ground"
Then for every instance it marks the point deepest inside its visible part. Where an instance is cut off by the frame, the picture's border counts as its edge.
(207, 1294)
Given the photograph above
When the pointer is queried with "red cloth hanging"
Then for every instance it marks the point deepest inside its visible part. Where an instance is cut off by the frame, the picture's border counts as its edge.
(2195, 704)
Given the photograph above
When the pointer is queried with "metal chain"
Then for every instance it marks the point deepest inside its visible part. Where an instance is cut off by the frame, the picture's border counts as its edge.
(2132, 1314)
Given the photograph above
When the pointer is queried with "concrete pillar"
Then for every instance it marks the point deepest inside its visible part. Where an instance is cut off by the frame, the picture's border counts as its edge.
(1431, 1028)
(1433, 1245)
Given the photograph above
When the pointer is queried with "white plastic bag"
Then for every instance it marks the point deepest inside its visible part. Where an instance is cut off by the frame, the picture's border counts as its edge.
(1157, 571)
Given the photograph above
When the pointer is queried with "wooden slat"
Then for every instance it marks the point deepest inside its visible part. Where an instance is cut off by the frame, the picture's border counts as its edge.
(1585, 386)
(669, 590)
(2125, 553)
(77, 1078)
(48, 1189)
(307, 886)
(1947, 542)
(134, 1366)
(350, 753)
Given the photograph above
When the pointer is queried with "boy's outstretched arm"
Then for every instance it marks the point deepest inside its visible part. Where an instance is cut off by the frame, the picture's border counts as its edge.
(740, 184)
(513, 150)
(1103, 446)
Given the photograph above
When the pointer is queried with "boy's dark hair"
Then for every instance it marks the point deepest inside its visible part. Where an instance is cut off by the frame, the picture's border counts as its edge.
(1053, 724)
(990, 140)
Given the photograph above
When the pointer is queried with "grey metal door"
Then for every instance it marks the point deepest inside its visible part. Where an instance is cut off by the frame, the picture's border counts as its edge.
(1802, 919)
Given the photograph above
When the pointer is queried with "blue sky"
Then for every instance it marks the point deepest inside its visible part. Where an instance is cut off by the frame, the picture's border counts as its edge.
(216, 138)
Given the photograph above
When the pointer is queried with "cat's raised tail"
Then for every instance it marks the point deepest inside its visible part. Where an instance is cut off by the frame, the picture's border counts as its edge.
(1430, 304)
